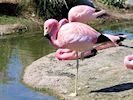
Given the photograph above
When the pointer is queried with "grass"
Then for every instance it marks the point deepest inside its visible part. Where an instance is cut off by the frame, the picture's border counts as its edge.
(30, 24)
(8, 20)
(12, 20)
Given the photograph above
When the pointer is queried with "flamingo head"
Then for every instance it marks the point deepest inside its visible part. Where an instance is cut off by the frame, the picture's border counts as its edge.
(128, 61)
(51, 27)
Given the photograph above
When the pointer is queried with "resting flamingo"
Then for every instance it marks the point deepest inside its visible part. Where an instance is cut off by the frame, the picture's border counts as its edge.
(67, 54)
(128, 61)
(83, 14)
(75, 36)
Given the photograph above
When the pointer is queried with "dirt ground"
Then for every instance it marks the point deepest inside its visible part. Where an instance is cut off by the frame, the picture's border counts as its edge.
(12, 28)
(102, 77)
(115, 13)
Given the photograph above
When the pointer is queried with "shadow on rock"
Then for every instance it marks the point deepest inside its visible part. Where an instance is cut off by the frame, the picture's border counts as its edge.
(116, 88)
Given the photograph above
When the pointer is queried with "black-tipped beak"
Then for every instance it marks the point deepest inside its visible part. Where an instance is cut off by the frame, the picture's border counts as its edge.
(47, 36)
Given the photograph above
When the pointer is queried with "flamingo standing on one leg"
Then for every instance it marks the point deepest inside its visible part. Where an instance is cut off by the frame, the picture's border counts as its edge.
(128, 61)
(83, 14)
(74, 36)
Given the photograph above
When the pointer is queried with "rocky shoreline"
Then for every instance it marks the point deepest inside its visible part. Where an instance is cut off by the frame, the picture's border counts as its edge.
(12, 28)
(102, 76)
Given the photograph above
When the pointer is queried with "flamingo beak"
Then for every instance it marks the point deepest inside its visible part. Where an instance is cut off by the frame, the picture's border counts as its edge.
(46, 33)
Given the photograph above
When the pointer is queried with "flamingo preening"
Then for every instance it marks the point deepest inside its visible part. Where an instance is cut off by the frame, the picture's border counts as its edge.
(75, 36)
(128, 61)
(83, 14)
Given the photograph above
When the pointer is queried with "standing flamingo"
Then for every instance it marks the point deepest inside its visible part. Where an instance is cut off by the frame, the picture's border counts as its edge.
(83, 14)
(128, 61)
(75, 36)
(67, 54)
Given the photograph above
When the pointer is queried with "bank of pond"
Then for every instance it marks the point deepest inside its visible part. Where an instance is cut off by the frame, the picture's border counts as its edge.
(20, 50)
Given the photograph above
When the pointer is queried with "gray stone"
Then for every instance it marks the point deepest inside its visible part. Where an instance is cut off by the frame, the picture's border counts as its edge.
(102, 77)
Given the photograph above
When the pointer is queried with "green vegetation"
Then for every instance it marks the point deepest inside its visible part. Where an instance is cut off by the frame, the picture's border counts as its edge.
(116, 3)
(12, 20)
(47, 8)
(30, 24)
(52, 8)
(7, 19)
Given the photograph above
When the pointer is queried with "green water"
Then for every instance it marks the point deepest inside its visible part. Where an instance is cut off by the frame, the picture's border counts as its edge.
(18, 51)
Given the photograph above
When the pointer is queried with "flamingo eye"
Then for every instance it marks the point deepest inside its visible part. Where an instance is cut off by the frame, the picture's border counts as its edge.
(46, 28)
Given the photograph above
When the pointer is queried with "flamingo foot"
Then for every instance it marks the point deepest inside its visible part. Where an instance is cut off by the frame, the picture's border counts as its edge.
(73, 94)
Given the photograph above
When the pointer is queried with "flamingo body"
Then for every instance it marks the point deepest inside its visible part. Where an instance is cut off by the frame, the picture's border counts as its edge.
(128, 61)
(67, 54)
(83, 14)
(77, 36)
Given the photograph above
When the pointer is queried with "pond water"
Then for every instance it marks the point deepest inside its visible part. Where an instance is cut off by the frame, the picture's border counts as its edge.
(18, 51)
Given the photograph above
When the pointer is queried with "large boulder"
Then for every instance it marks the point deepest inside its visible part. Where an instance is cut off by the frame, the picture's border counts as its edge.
(102, 77)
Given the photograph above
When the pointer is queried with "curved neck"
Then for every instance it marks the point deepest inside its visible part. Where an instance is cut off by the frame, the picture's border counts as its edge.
(54, 30)
(63, 21)
(53, 35)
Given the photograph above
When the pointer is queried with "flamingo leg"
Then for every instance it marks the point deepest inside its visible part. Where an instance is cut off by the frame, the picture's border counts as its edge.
(82, 56)
(76, 79)
(77, 69)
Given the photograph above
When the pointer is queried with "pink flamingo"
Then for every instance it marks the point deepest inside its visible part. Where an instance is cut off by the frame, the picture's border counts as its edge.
(75, 36)
(67, 54)
(128, 61)
(83, 14)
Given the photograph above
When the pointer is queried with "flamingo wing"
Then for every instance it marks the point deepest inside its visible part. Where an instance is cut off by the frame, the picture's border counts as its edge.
(77, 36)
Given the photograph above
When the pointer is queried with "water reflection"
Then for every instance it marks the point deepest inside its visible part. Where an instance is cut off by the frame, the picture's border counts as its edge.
(17, 52)
(119, 30)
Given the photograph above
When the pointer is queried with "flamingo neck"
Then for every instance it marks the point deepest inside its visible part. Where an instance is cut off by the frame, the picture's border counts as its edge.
(63, 21)
(54, 31)
(55, 43)
(53, 34)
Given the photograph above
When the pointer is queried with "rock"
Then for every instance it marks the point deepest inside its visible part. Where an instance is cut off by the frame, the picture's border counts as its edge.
(129, 2)
(11, 28)
(102, 76)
